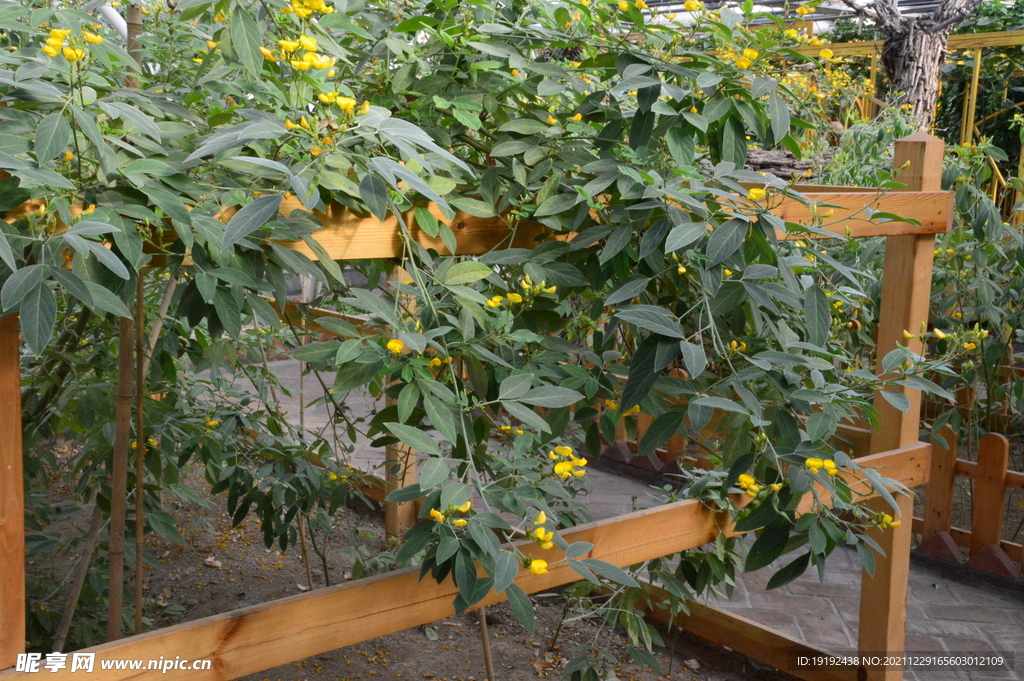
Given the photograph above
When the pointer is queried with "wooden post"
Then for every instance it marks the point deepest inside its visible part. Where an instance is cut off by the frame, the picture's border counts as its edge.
(12, 498)
(119, 475)
(140, 444)
(906, 290)
(987, 507)
(399, 469)
(936, 541)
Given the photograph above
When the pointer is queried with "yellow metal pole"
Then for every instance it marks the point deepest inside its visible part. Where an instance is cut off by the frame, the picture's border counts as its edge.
(873, 76)
(972, 102)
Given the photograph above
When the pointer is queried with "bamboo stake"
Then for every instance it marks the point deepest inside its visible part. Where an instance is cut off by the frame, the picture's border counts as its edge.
(119, 475)
(972, 102)
(12, 499)
(81, 572)
(158, 323)
(486, 641)
(140, 444)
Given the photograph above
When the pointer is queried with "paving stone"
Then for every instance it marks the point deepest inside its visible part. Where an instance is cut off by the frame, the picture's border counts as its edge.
(968, 614)
(826, 630)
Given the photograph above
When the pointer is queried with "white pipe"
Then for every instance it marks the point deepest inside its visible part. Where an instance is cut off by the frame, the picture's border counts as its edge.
(116, 21)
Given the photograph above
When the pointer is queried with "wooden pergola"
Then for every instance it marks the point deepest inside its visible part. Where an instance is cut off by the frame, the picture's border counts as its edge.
(252, 639)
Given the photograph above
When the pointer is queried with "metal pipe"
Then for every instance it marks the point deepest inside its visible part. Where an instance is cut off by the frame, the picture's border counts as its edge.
(116, 21)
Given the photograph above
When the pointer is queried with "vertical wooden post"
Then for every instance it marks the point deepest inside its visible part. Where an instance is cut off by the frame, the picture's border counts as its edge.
(873, 78)
(119, 474)
(12, 498)
(906, 290)
(987, 507)
(938, 504)
(399, 469)
(966, 136)
(989, 492)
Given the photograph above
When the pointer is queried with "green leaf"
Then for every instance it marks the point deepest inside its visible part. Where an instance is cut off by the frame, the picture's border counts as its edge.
(105, 301)
(609, 571)
(554, 205)
(630, 289)
(506, 567)
(515, 386)
(526, 415)
(38, 315)
(446, 548)
(414, 438)
(789, 572)
(778, 113)
(578, 549)
(694, 357)
(251, 217)
(433, 473)
(408, 493)
(19, 284)
(315, 352)
(659, 432)
(551, 396)
(474, 207)
(720, 403)
(246, 40)
(7, 253)
(407, 399)
(684, 234)
(466, 273)
(52, 136)
(441, 417)
(681, 146)
(817, 315)
(652, 318)
(734, 141)
(374, 193)
(521, 607)
(896, 399)
(725, 240)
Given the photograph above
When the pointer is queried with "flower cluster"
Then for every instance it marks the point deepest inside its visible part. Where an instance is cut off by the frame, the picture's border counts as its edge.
(749, 485)
(567, 465)
(452, 510)
(61, 41)
(305, 8)
(529, 287)
(885, 521)
(496, 301)
(540, 534)
(814, 464)
(510, 430)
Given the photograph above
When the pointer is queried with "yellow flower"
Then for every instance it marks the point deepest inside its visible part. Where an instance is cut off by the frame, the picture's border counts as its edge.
(623, 5)
(611, 405)
(802, 11)
(316, 150)
(73, 53)
(435, 362)
(825, 54)
(50, 51)
(506, 428)
(551, 289)
(562, 450)
(211, 44)
(538, 567)
(830, 466)
(728, 273)
(60, 33)
(307, 43)
(691, 5)
(552, 120)
(210, 423)
(464, 508)
(577, 117)
(541, 518)
(364, 108)
(303, 122)
(671, 16)
(681, 270)
(907, 335)
(514, 298)
(151, 442)
(790, 33)
(750, 54)
(494, 301)
(756, 194)
(578, 474)
(970, 346)
(395, 345)
(984, 332)
(267, 54)
(519, 431)
(939, 333)
(640, 4)
(436, 515)
(547, 545)
(300, 65)
(346, 104)
(813, 464)
(291, 126)
(92, 206)
(515, 73)
(288, 45)
(564, 468)
(327, 97)
(461, 522)
(743, 63)
(217, 17)
(585, 3)
(93, 38)
(745, 481)
(632, 410)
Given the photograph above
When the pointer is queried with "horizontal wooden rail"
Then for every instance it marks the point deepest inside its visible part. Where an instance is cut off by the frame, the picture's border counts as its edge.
(262, 636)
(969, 469)
(933, 210)
(967, 41)
(963, 538)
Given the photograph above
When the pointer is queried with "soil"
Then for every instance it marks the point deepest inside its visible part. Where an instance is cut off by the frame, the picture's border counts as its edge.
(221, 568)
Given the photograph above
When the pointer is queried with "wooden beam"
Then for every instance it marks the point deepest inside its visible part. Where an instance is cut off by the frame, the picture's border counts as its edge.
(967, 41)
(963, 538)
(933, 209)
(12, 498)
(969, 469)
(747, 637)
(262, 636)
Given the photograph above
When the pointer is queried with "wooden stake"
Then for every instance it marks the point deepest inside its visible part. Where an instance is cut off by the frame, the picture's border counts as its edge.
(140, 444)
(486, 643)
(989, 500)
(12, 498)
(972, 102)
(399, 468)
(81, 572)
(119, 475)
(133, 18)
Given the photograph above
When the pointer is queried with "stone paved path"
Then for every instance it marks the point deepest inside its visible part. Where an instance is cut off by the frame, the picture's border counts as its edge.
(943, 615)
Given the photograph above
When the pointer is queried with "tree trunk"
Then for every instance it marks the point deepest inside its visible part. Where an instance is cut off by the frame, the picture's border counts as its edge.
(912, 58)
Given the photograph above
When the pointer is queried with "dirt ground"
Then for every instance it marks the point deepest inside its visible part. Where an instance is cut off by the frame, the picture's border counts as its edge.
(222, 568)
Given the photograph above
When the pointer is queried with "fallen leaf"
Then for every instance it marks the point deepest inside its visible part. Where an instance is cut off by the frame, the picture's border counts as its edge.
(302, 587)
(212, 561)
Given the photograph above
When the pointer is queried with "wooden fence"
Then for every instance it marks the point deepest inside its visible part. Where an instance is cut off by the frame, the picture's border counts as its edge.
(992, 478)
(256, 638)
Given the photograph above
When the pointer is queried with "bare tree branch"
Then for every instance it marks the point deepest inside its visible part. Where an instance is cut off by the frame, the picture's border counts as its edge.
(957, 11)
(861, 10)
